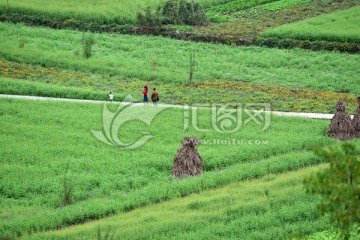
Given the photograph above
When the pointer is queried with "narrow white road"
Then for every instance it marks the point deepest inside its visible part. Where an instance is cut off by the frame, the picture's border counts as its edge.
(293, 114)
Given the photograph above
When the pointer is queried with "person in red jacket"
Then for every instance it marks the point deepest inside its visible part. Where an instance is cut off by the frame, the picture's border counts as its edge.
(154, 96)
(145, 92)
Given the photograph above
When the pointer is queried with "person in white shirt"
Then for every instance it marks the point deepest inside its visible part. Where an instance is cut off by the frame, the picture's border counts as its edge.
(111, 96)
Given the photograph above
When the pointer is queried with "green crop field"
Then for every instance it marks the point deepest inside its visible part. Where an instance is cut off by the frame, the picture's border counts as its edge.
(255, 6)
(272, 7)
(242, 22)
(216, 91)
(166, 60)
(104, 11)
(273, 207)
(40, 139)
(341, 26)
(237, 5)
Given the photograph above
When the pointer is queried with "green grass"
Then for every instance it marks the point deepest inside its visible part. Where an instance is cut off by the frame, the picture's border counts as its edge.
(18, 87)
(242, 7)
(273, 207)
(53, 82)
(272, 6)
(237, 5)
(252, 21)
(341, 26)
(103, 11)
(166, 60)
(39, 139)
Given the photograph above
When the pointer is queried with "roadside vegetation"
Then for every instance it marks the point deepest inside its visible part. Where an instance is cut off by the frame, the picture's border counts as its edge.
(208, 92)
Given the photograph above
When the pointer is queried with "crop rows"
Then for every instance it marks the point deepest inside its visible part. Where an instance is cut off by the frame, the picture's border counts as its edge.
(41, 138)
(165, 60)
(101, 12)
(272, 6)
(340, 26)
(237, 5)
(105, 12)
(272, 207)
(245, 29)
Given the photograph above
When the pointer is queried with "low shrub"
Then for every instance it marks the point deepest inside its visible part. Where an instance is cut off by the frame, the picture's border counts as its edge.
(177, 12)
(273, 42)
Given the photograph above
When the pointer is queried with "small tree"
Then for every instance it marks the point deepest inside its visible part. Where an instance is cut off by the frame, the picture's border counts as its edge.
(171, 12)
(339, 186)
(148, 22)
(184, 12)
(87, 43)
(67, 197)
(198, 15)
(192, 66)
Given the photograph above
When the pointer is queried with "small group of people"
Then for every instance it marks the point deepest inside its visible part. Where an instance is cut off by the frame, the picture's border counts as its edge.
(154, 94)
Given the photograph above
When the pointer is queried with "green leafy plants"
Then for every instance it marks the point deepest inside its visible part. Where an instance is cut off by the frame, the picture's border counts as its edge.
(271, 6)
(178, 12)
(192, 66)
(237, 5)
(87, 43)
(339, 186)
(107, 235)
(67, 187)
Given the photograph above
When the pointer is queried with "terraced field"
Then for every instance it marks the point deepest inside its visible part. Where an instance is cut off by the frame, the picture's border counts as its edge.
(166, 60)
(271, 207)
(43, 139)
(104, 11)
(341, 26)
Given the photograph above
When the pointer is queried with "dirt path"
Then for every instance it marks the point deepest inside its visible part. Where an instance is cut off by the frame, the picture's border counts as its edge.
(292, 114)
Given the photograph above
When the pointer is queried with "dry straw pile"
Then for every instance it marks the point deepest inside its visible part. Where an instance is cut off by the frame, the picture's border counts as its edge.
(356, 120)
(341, 126)
(187, 161)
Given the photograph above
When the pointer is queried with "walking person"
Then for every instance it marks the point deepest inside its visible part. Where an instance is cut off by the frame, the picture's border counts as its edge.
(145, 92)
(111, 97)
(154, 96)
